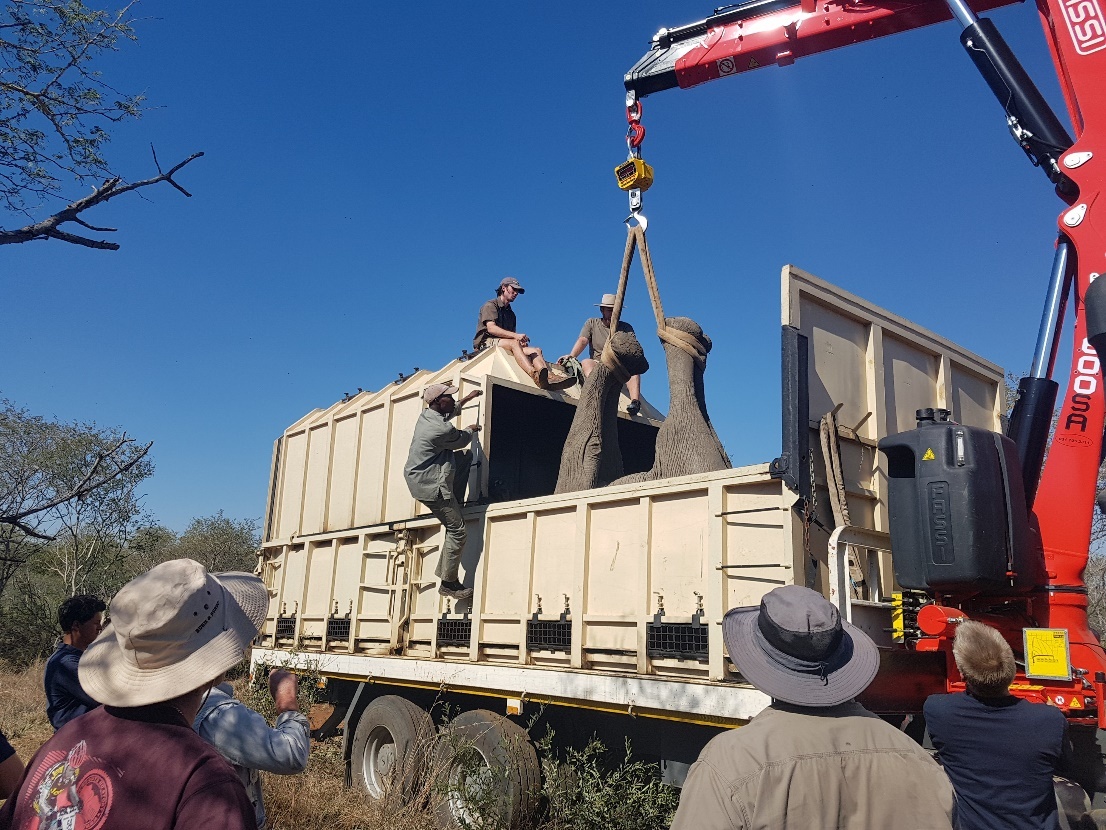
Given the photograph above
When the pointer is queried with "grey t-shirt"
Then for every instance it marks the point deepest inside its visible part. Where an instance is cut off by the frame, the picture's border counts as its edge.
(596, 332)
(496, 311)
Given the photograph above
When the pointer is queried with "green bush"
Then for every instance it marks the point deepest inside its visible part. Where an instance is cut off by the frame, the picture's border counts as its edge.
(592, 789)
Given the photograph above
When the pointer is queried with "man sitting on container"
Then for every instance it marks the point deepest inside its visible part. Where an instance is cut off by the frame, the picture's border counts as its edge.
(432, 476)
(1000, 751)
(594, 336)
(814, 757)
(496, 327)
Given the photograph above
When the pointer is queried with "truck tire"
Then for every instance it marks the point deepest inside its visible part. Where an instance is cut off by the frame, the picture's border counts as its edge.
(488, 773)
(390, 748)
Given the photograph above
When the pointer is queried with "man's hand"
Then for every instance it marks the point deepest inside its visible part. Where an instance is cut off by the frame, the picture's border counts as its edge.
(475, 393)
(523, 339)
(283, 686)
(473, 428)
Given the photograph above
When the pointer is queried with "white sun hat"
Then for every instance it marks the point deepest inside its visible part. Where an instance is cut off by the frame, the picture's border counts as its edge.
(172, 629)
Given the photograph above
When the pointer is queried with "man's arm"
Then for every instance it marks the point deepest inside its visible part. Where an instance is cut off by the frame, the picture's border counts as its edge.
(705, 802)
(475, 393)
(11, 768)
(578, 347)
(245, 738)
(67, 681)
(451, 438)
(496, 330)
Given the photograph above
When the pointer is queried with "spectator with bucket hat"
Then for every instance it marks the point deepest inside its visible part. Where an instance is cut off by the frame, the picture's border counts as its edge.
(814, 757)
(135, 763)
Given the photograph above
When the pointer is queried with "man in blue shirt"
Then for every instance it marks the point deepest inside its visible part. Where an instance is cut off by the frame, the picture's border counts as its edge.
(999, 751)
(81, 619)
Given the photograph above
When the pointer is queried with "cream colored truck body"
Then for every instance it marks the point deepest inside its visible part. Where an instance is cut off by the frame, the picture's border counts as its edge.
(568, 588)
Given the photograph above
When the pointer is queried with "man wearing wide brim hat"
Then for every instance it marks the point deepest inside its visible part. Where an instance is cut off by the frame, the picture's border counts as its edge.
(814, 757)
(593, 337)
(135, 763)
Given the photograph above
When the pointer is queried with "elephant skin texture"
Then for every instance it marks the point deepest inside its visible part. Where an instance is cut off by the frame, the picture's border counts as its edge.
(591, 457)
(686, 443)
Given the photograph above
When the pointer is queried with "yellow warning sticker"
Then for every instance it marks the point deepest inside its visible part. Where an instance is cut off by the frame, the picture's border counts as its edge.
(1076, 704)
(929, 456)
(1046, 653)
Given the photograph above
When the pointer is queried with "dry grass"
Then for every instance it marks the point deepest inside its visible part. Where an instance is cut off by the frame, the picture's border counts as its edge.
(317, 800)
(23, 709)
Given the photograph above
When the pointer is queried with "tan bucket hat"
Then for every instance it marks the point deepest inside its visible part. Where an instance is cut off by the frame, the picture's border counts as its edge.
(172, 629)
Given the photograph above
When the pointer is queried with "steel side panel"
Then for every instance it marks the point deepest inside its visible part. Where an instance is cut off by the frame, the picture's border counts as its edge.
(294, 463)
(318, 479)
(715, 701)
(342, 474)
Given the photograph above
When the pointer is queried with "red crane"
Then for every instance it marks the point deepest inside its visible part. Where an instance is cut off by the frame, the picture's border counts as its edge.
(1052, 500)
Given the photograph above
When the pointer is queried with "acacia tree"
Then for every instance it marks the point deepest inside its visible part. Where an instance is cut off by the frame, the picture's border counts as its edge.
(64, 487)
(56, 111)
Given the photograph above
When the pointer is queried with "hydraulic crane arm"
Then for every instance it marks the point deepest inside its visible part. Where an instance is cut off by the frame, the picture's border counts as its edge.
(763, 32)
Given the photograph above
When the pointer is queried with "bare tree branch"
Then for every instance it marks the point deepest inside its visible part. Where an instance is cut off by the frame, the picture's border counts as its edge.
(87, 484)
(48, 228)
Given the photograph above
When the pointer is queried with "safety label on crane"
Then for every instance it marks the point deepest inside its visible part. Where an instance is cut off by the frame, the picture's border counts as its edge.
(929, 456)
(1046, 653)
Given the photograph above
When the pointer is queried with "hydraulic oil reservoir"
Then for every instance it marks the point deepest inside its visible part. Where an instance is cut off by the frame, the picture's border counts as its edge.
(957, 511)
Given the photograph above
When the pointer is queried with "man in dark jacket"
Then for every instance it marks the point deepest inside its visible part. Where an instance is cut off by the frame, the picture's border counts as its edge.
(1000, 751)
(81, 620)
(813, 758)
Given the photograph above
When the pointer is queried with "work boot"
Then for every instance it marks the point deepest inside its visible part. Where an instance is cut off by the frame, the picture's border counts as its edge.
(454, 589)
(558, 379)
(541, 377)
(633, 407)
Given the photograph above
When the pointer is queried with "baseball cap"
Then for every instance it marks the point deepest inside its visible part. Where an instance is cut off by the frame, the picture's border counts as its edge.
(511, 281)
(436, 390)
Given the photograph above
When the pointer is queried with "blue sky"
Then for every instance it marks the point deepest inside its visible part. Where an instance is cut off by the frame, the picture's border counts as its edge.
(372, 170)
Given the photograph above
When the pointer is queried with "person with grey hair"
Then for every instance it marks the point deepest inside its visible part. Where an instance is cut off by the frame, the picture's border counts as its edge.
(814, 757)
(999, 751)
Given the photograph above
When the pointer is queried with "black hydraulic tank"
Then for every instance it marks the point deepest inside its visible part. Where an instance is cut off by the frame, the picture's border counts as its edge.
(956, 502)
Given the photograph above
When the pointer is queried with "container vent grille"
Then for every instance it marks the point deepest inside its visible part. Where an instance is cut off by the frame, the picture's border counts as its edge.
(285, 628)
(337, 628)
(681, 640)
(457, 632)
(549, 635)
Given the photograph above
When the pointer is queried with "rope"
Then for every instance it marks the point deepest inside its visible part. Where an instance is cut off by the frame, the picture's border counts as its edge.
(609, 359)
(635, 241)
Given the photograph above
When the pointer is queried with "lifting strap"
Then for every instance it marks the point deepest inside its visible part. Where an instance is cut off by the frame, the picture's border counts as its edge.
(635, 241)
(835, 484)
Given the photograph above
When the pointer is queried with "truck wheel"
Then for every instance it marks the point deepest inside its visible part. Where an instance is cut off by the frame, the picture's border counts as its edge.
(488, 773)
(390, 747)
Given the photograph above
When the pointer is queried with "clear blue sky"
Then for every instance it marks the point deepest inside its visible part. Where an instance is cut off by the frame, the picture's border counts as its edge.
(372, 170)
